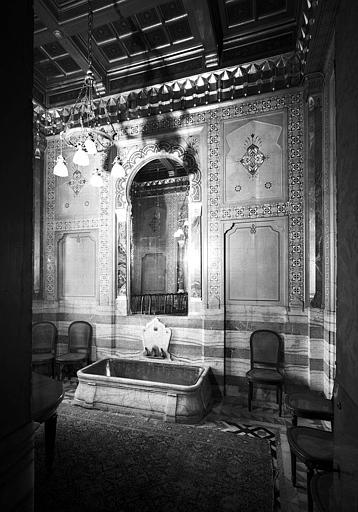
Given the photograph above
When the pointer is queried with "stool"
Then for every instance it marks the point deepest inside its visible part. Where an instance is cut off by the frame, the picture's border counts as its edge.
(313, 447)
(309, 405)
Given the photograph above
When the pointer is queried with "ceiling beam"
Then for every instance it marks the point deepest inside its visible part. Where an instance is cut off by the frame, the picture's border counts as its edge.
(203, 29)
(65, 40)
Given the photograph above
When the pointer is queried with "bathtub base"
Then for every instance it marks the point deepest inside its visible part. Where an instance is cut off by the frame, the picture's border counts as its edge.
(175, 401)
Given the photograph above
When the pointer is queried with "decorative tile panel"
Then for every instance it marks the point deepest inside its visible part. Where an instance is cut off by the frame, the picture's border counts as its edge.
(77, 182)
(255, 158)
(106, 241)
(215, 211)
(292, 105)
(215, 292)
(53, 149)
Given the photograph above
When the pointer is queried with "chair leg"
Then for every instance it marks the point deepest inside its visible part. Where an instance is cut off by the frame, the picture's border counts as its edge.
(293, 468)
(294, 420)
(59, 371)
(251, 389)
(309, 493)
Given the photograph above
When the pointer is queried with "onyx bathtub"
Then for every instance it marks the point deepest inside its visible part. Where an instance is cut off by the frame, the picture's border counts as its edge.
(169, 391)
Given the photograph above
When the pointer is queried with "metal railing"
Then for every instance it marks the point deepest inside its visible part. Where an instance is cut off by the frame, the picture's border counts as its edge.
(160, 304)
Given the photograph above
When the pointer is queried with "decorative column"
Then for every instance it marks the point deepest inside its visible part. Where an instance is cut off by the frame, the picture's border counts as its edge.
(195, 257)
(121, 260)
(330, 219)
(182, 263)
(314, 227)
(314, 91)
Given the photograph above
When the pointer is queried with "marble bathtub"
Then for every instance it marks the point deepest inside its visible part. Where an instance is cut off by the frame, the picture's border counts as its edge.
(164, 390)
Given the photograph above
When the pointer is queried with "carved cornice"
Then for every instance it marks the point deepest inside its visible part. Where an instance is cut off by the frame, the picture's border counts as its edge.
(306, 29)
(180, 183)
(250, 79)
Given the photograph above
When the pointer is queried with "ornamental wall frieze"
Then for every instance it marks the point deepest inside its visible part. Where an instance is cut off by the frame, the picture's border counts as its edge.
(255, 211)
(76, 224)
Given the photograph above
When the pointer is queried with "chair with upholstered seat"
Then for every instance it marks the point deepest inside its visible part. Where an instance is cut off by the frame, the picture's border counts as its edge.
(310, 405)
(313, 447)
(79, 345)
(44, 335)
(265, 353)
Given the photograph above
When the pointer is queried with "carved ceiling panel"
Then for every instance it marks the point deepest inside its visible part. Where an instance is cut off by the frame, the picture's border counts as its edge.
(138, 44)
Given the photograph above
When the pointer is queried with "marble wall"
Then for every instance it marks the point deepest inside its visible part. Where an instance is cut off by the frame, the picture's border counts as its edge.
(247, 240)
(329, 244)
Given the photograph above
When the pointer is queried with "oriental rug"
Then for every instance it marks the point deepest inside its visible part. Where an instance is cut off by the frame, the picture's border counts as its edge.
(108, 462)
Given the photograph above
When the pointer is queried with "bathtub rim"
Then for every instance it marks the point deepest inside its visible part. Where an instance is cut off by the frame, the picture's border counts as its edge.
(109, 380)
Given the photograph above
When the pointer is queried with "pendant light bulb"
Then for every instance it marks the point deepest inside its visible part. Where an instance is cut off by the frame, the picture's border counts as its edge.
(90, 146)
(81, 157)
(117, 169)
(60, 168)
(96, 180)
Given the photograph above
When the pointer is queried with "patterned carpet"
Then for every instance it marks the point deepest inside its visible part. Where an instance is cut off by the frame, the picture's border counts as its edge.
(260, 432)
(108, 462)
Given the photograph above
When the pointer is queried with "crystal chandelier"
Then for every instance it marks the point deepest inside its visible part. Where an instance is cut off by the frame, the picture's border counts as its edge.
(81, 130)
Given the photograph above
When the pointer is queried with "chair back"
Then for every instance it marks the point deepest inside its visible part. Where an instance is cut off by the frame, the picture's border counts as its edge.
(265, 348)
(44, 336)
(79, 336)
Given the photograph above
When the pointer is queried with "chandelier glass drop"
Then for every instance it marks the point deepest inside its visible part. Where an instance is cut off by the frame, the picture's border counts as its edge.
(60, 168)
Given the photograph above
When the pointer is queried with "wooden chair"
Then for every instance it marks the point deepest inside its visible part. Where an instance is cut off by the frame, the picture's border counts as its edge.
(311, 406)
(313, 447)
(265, 347)
(79, 345)
(44, 336)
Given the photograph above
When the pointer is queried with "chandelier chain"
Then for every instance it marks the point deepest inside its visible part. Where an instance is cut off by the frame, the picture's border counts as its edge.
(80, 130)
(89, 35)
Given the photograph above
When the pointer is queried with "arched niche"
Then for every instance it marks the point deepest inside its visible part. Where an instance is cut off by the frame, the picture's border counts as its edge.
(133, 160)
(158, 195)
(178, 167)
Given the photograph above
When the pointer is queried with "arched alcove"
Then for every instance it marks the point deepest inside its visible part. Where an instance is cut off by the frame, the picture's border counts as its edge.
(159, 203)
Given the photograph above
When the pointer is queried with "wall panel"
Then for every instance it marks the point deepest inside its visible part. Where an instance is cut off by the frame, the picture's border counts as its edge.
(255, 158)
(255, 262)
(77, 266)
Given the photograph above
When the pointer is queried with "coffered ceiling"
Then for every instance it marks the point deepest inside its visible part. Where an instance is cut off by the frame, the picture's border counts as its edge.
(139, 43)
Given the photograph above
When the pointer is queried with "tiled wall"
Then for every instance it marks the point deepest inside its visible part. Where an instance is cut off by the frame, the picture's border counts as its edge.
(213, 334)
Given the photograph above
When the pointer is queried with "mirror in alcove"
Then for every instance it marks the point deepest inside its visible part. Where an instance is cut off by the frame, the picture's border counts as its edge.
(159, 238)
